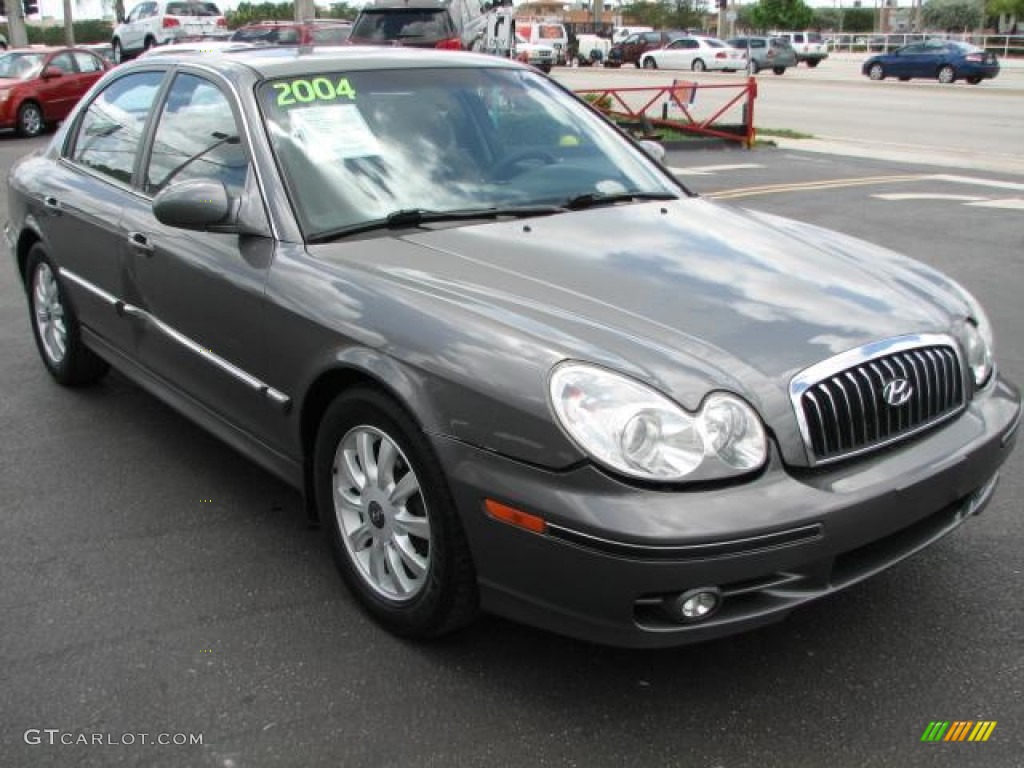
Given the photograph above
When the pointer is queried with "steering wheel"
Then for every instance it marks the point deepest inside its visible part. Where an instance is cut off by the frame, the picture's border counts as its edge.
(505, 168)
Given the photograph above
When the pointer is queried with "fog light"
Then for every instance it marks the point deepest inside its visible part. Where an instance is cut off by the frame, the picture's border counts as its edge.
(695, 605)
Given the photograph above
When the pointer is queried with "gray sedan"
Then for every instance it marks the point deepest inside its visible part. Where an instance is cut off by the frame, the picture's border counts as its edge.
(512, 364)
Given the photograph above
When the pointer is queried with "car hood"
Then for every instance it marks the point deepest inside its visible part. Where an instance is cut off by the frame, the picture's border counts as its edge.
(688, 295)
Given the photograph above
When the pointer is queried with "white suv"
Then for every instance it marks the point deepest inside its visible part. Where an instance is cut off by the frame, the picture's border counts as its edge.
(155, 23)
(809, 46)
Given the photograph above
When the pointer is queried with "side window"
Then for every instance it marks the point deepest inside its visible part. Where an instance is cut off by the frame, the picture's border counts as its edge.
(63, 62)
(690, 43)
(757, 44)
(87, 62)
(652, 37)
(331, 35)
(631, 40)
(109, 133)
(148, 10)
(136, 14)
(196, 138)
(799, 38)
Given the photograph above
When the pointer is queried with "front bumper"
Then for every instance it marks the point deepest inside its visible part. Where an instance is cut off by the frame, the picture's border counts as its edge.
(613, 554)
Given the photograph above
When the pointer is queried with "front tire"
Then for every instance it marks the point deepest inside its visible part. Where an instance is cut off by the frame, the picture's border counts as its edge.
(876, 72)
(650, 63)
(55, 327)
(118, 51)
(30, 119)
(396, 535)
(698, 65)
(946, 74)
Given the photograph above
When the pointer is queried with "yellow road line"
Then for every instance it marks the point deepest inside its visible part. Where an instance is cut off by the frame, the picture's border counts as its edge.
(730, 194)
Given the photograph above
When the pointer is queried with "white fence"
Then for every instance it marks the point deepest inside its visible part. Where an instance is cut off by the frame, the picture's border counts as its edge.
(1003, 45)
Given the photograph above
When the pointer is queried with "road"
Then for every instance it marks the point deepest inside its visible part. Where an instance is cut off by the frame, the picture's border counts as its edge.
(152, 581)
(834, 101)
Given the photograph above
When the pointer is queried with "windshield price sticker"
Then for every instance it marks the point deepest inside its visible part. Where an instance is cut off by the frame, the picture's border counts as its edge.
(338, 130)
(304, 91)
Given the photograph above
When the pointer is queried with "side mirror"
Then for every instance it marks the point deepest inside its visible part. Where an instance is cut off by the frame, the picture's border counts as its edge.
(653, 149)
(197, 204)
(51, 72)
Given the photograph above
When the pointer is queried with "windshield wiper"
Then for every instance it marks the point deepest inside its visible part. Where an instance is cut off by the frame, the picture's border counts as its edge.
(594, 199)
(221, 140)
(416, 217)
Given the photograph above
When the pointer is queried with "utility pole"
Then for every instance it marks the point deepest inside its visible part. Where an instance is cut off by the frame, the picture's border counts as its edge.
(16, 24)
(69, 25)
(305, 10)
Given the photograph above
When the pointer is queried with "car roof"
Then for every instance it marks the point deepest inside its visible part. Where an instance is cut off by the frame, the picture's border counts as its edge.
(398, 5)
(285, 61)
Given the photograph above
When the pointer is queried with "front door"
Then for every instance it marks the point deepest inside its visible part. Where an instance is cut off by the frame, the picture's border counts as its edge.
(203, 293)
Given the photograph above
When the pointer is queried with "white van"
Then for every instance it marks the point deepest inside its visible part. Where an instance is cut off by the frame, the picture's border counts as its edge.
(545, 33)
(809, 47)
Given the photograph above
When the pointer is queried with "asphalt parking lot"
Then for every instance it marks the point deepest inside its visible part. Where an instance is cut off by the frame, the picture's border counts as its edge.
(152, 581)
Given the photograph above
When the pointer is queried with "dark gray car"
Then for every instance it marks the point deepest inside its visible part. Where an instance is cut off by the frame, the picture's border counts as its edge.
(512, 364)
(774, 53)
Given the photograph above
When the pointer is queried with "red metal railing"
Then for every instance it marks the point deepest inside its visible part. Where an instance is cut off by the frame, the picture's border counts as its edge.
(636, 104)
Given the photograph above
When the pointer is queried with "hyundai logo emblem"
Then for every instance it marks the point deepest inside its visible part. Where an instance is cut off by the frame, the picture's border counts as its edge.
(897, 392)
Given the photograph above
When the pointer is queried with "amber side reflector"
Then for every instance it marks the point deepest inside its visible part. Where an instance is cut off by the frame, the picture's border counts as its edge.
(515, 517)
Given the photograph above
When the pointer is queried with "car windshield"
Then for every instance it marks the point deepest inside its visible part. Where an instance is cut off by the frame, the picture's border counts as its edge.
(402, 23)
(20, 66)
(357, 147)
(192, 9)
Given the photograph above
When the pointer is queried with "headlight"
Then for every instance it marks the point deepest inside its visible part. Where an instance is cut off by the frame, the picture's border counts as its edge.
(979, 352)
(979, 343)
(633, 429)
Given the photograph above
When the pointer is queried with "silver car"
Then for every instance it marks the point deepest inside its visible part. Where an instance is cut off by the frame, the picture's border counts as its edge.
(774, 53)
(512, 364)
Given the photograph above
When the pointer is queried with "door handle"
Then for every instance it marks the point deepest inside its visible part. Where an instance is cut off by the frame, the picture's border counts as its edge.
(140, 242)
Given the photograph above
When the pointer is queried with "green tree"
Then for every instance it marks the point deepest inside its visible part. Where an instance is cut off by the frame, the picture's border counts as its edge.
(1011, 7)
(782, 14)
(858, 20)
(666, 14)
(951, 14)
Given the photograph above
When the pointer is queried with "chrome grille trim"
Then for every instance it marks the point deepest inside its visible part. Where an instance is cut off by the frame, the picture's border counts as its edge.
(838, 401)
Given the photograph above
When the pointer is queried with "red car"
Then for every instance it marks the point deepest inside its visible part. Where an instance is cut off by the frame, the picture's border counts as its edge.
(39, 86)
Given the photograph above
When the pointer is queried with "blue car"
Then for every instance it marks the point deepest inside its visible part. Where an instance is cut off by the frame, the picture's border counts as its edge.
(943, 60)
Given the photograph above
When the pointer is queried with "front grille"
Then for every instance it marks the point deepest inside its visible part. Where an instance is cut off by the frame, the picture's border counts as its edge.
(891, 391)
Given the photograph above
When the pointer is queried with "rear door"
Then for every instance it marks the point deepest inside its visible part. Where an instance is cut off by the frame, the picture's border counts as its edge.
(87, 194)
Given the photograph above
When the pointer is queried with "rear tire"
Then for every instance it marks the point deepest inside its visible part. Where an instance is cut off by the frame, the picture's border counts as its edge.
(55, 326)
(698, 65)
(812, 63)
(149, 44)
(393, 526)
(779, 70)
(753, 67)
(946, 74)
(974, 79)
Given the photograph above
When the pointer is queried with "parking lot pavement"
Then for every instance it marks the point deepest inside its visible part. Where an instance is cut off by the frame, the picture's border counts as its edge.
(152, 581)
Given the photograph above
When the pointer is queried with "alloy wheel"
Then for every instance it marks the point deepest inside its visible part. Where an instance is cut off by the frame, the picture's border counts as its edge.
(382, 514)
(49, 314)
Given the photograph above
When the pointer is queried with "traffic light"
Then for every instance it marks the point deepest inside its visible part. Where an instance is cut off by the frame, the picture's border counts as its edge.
(30, 7)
